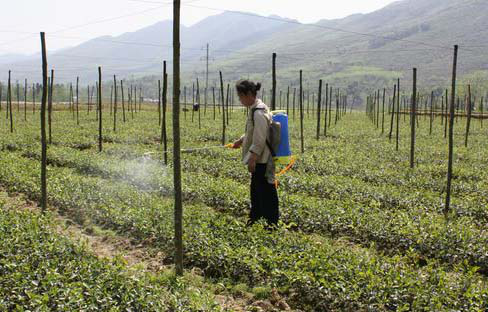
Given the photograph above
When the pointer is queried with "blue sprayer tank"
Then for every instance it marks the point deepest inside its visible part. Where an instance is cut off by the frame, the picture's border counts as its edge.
(283, 157)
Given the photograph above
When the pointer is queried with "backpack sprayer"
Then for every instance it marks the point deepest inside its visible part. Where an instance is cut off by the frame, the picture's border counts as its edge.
(283, 157)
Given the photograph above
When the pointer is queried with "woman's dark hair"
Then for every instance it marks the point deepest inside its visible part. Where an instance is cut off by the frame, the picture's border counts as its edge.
(248, 87)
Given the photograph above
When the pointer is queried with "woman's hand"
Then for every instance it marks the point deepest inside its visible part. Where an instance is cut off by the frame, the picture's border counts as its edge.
(251, 164)
(237, 144)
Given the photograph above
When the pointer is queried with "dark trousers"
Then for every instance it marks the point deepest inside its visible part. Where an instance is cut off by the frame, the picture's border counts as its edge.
(264, 198)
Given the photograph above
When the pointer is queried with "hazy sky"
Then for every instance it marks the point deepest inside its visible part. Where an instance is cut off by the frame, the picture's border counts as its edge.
(65, 21)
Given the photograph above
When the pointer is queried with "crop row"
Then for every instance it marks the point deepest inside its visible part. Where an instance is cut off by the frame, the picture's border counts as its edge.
(43, 271)
(313, 271)
(394, 230)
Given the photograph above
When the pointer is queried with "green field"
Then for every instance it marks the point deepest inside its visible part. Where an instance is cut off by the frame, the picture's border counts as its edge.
(361, 230)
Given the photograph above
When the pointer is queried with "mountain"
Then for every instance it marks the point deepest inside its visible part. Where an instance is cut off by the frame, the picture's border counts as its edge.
(373, 49)
(141, 52)
(360, 52)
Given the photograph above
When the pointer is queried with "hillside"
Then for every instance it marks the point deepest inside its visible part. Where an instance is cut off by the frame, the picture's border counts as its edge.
(427, 29)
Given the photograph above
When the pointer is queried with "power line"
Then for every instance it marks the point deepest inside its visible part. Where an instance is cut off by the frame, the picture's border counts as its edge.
(302, 24)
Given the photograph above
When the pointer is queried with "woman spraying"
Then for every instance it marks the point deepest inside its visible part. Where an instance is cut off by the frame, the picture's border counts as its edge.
(256, 154)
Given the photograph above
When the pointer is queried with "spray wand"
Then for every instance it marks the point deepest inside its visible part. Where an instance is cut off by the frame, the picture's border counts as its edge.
(191, 150)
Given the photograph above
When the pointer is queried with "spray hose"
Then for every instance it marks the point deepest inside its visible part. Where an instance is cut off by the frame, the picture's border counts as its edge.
(284, 170)
(189, 150)
(231, 145)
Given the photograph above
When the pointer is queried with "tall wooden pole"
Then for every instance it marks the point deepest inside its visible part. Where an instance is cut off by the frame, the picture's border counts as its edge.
(43, 126)
(176, 141)
(326, 106)
(398, 116)
(301, 112)
(115, 103)
(273, 97)
(99, 109)
(9, 94)
(223, 107)
(77, 101)
(413, 116)
(451, 134)
(164, 135)
(25, 100)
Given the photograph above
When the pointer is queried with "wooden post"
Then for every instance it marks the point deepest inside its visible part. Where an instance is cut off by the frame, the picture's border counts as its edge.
(115, 103)
(176, 138)
(301, 113)
(25, 100)
(398, 115)
(273, 97)
(223, 107)
(330, 106)
(392, 112)
(77, 101)
(378, 109)
(9, 94)
(337, 108)
(99, 109)
(164, 135)
(451, 134)
(227, 104)
(43, 126)
(325, 108)
(319, 98)
(413, 118)
(193, 101)
(468, 121)
(199, 105)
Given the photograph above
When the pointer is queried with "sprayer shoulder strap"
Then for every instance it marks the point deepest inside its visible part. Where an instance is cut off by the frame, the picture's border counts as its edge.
(273, 154)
